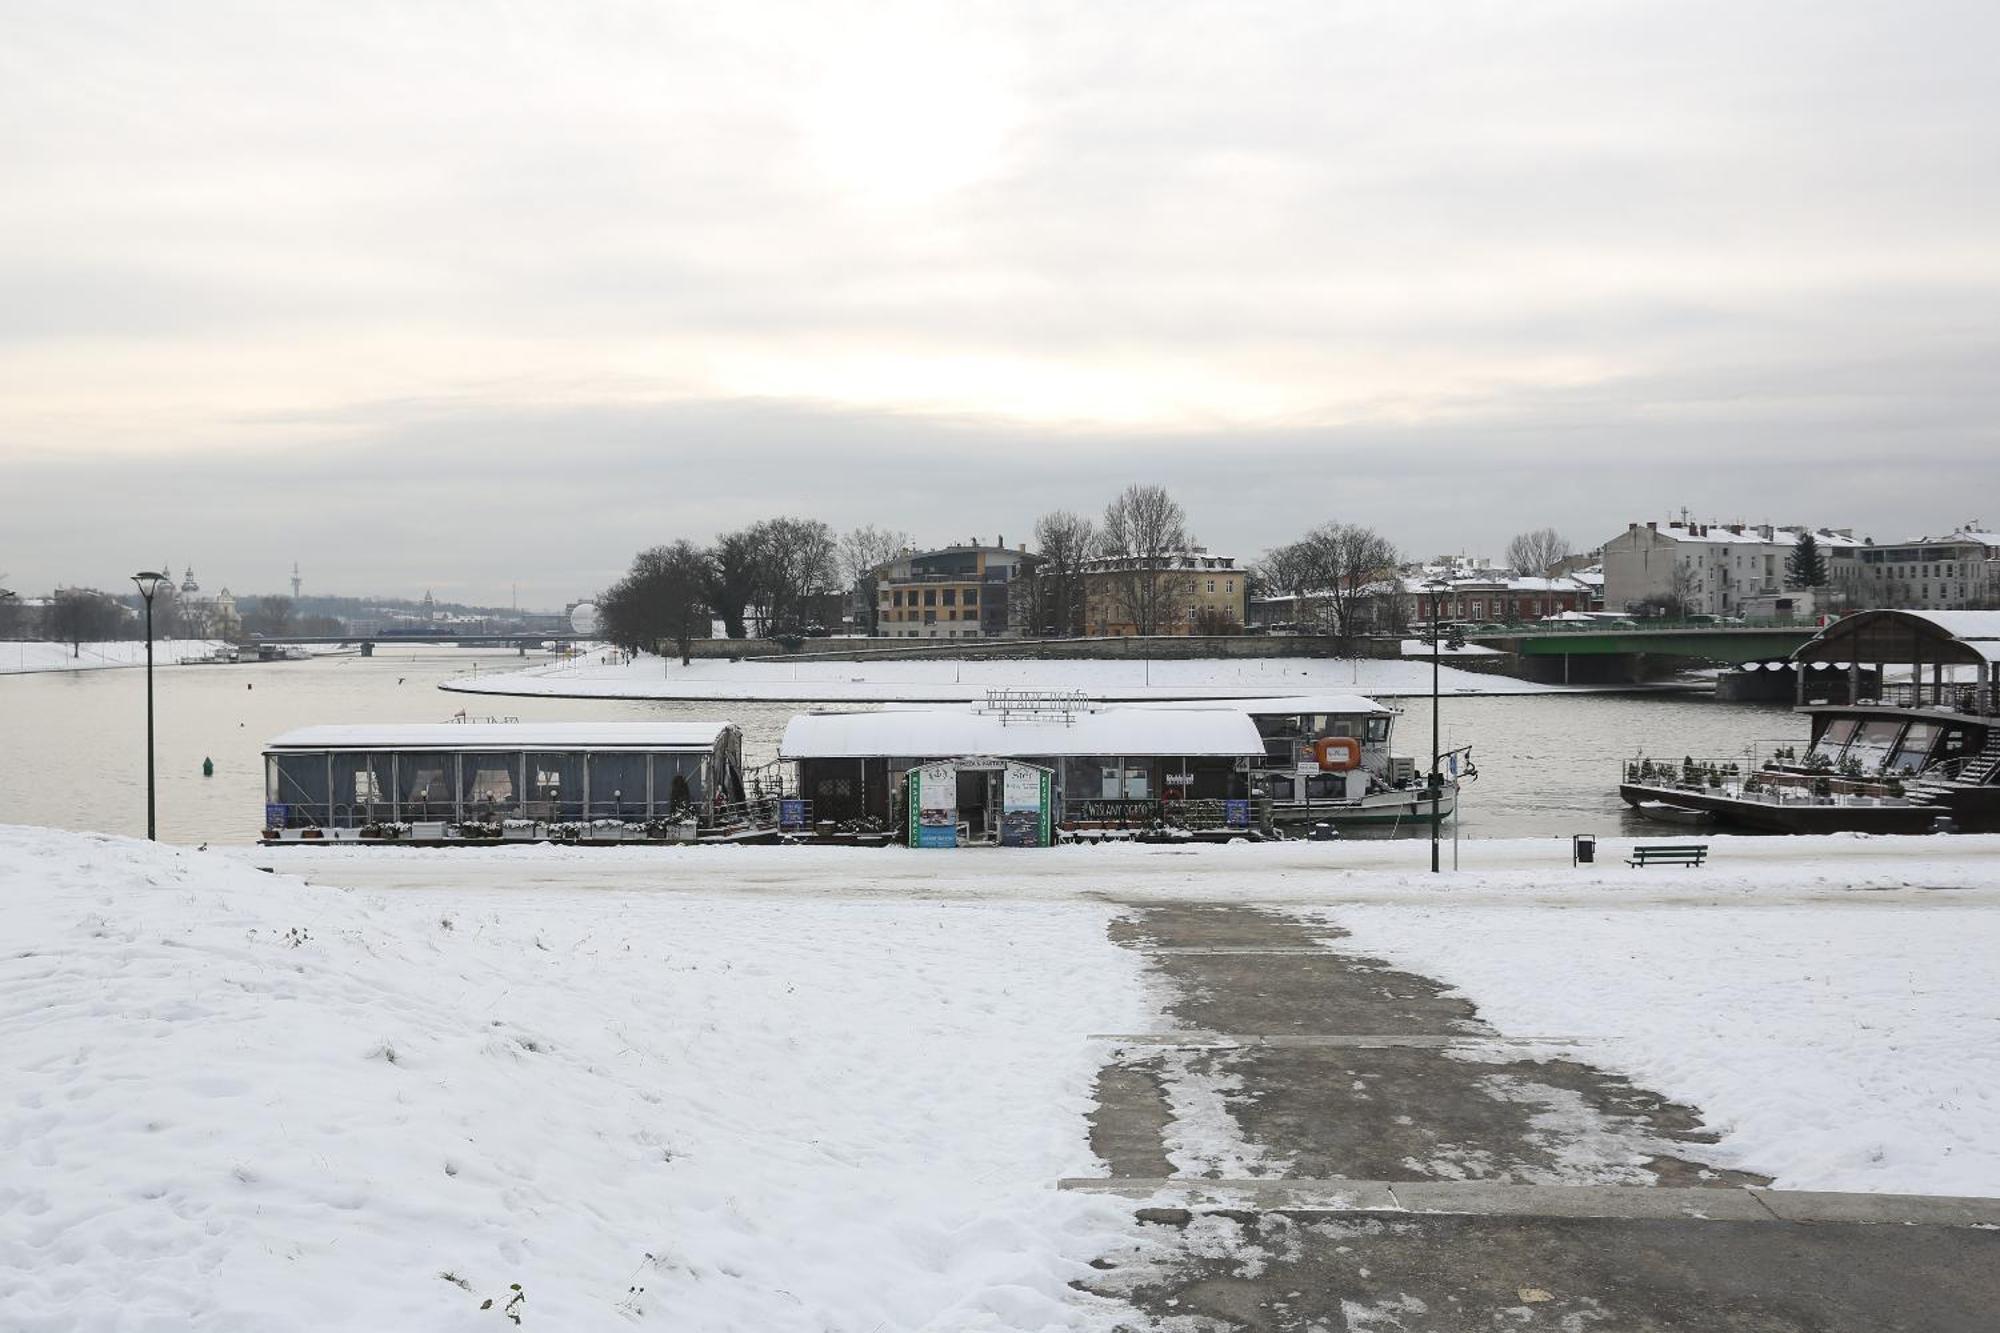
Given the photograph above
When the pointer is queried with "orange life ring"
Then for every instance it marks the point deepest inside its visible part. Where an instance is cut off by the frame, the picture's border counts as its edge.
(1337, 754)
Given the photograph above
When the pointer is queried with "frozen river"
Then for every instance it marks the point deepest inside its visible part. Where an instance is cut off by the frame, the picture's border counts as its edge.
(74, 743)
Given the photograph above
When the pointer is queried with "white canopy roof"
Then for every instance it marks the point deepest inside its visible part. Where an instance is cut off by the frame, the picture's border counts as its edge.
(913, 734)
(507, 736)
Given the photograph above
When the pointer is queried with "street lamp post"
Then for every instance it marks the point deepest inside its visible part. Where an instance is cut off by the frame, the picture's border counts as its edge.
(148, 582)
(1437, 776)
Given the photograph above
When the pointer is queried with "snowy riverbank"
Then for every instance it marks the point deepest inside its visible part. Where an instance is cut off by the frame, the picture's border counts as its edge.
(236, 1101)
(792, 1088)
(940, 681)
(18, 656)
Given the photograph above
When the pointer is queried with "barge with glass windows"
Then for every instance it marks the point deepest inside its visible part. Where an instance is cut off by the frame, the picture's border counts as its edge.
(1916, 756)
(463, 783)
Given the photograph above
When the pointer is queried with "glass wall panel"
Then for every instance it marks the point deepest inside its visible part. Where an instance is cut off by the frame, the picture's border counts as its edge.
(1872, 745)
(486, 786)
(1915, 748)
(362, 789)
(1834, 739)
(301, 784)
(425, 783)
(555, 786)
(677, 783)
(1138, 780)
(617, 786)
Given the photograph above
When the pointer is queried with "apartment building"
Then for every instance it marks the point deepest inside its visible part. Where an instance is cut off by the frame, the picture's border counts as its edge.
(1721, 569)
(954, 592)
(1191, 592)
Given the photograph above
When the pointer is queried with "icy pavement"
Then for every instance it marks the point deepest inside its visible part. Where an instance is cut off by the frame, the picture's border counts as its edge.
(1356, 1147)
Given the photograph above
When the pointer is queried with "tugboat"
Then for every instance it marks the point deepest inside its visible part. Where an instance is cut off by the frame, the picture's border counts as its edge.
(1909, 757)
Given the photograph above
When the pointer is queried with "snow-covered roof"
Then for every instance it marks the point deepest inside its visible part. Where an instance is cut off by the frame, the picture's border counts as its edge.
(1286, 705)
(915, 734)
(1881, 636)
(1717, 534)
(506, 736)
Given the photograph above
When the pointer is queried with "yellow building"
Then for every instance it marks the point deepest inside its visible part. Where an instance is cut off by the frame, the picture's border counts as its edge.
(957, 592)
(1189, 593)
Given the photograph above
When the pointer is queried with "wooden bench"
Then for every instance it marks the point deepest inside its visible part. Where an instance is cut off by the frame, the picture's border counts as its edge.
(1670, 853)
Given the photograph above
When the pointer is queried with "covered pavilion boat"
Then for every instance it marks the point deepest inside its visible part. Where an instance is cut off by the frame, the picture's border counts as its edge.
(1105, 768)
(472, 782)
(1326, 758)
(1917, 756)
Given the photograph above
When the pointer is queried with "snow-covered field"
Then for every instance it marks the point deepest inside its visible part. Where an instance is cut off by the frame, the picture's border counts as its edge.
(1844, 1046)
(788, 1088)
(233, 1101)
(929, 680)
(20, 655)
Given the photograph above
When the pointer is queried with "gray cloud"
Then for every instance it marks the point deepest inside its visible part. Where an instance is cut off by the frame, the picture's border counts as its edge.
(460, 297)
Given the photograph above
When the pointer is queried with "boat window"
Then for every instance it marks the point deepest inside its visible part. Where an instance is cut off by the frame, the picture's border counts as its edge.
(425, 784)
(617, 785)
(1835, 738)
(1378, 730)
(677, 781)
(1082, 780)
(1138, 781)
(487, 784)
(1326, 787)
(1873, 743)
(555, 785)
(300, 780)
(361, 788)
(1915, 748)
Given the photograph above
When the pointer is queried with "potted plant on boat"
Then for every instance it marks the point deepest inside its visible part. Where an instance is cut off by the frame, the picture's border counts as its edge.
(382, 830)
(480, 830)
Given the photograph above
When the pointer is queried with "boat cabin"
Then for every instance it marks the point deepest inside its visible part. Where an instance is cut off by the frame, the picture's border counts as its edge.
(429, 781)
(1107, 767)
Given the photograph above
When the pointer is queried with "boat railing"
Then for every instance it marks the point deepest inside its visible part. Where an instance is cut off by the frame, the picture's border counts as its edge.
(1957, 696)
(1214, 814)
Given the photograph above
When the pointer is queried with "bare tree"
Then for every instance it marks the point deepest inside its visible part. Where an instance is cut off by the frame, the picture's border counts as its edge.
(1066, 542)
(1354, 567)
(663, 597)
(732, 579)
(1537, 553)
(863, 552)
(1144, 539)
(78, 616)
(1286, 570)
(795, 563)
(268, 616)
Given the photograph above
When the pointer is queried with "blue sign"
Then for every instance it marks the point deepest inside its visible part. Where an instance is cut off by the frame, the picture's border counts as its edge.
(791, 813)
(1236, 814)
(275, 815)
(937, 835)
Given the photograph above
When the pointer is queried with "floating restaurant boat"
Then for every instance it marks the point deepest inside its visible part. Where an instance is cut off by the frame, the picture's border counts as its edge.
(1326, 758)
(1888, 757)
(1033, 767)
(459, 783)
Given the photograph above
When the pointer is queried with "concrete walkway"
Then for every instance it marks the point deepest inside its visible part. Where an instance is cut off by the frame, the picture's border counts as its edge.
(1322, 1142)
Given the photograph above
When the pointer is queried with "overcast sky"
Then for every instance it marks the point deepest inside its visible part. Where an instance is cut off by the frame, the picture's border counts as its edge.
(460, 296)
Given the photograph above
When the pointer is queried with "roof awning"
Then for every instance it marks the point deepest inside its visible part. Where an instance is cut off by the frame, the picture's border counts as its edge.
(1901, 637)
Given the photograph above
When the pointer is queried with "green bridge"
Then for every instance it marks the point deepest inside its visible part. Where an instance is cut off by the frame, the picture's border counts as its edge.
(1717, 643)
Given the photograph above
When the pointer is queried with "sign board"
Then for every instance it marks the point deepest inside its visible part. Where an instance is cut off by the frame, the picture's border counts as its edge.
(1026, 815)
(275, 815)
(1179, 779)
(934, 806)
(1236, 814)
(791, 813)
(1115, 812)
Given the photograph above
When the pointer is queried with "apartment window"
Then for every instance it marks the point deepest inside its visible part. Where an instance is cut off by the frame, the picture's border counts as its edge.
(897, 599)
(951, 597)
(930, 599)
(1211, 585)
(1231, 586)
(972, 597)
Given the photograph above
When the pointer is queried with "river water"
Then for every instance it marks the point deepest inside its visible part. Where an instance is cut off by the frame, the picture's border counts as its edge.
(72, 744)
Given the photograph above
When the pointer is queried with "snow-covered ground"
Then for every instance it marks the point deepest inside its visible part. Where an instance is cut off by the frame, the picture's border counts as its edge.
(959, 681)
(790, 1088)
(22, 655)
(234, 1101)
(1842, 1046)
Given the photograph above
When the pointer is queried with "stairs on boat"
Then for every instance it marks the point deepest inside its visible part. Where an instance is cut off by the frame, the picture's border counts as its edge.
(1977, 771)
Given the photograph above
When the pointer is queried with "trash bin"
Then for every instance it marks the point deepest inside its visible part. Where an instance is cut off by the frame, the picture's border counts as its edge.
(1583, 849)
(1321, 832)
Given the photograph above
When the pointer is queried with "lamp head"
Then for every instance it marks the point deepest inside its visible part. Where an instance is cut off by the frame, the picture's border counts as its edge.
(149, 582)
